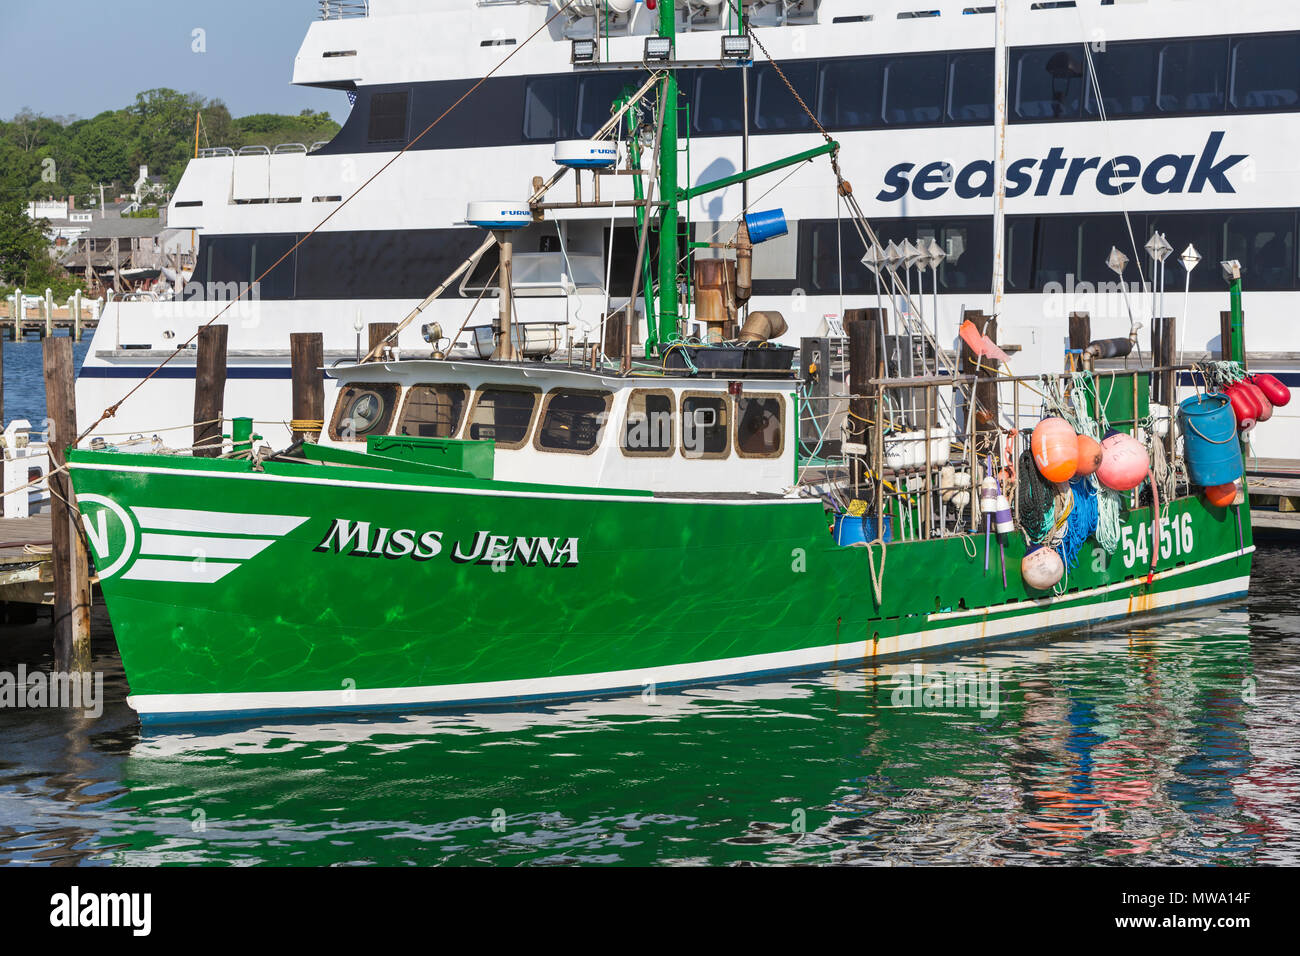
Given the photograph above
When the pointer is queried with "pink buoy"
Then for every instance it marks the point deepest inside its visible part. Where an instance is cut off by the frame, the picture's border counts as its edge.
(1124, 462)
(1041, 569)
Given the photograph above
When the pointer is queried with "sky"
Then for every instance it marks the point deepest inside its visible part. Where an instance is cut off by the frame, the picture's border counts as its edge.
(82, 57)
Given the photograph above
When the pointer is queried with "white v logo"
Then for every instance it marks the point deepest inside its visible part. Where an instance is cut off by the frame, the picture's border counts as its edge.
(98, 535)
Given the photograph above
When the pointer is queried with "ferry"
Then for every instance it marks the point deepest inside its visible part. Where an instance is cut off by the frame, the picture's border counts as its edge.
(1123, 119)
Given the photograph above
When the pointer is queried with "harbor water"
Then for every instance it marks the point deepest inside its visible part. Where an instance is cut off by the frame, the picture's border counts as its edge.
(24, 382)
(1170, 742)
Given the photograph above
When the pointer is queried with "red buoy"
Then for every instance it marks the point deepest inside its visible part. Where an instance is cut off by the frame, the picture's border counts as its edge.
(1265, 406)
(1245, 407)
(1272, 387)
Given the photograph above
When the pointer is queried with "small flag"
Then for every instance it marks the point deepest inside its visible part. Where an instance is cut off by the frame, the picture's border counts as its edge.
(352, 98)
(981, 345)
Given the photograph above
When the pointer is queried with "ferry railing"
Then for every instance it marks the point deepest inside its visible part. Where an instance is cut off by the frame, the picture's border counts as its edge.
(343, 9)
(901, 472)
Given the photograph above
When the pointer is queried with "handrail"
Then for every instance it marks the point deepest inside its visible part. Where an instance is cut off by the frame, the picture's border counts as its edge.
(343, 9)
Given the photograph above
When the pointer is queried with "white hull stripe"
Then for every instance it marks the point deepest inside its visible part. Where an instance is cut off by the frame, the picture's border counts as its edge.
(213, 522)
(853, 653)
(196, 546)
(424, 489)
(191, 571)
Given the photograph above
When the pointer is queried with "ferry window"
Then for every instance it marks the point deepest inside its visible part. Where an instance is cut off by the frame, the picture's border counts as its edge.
(1193, 75)
(705, 427)
(388, 113)
(1265, 244)
(760, 426)
(266, 252)
(826, 251)
(1019, 263)
(970, 86)
(648, 427)
(1266, 71)
(433, 411)
(548, 107)
(363, 409)
(1203, 230)
(573, 421)
(1056, 249)
(716, 106)
(969, 262)
(596, 95)
(1126, 75)
(1049, 82)
(849, 93)
(775, 108)
(914, 89)
(503, 415)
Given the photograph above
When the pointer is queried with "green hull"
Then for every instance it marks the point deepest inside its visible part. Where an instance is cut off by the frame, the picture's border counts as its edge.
(236, 592)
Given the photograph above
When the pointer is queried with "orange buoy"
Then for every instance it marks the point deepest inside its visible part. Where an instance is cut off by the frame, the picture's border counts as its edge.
(1089, 456)
(1124, 462)
(1221, 495)
(1055, 448)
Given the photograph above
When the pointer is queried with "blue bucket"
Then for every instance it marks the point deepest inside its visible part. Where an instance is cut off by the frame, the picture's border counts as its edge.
(766, 225)
(852, 529)
(1210, 440)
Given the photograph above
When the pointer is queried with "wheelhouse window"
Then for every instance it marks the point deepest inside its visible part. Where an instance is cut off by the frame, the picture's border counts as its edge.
(364, 409)
(706, 425)
(648, 428)
(433, 411)
(388, 114)
(502, 415)
(573, 421)
(760, 426)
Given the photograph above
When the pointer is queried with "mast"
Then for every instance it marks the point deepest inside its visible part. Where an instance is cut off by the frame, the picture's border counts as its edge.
(667, 161)
(999, 156)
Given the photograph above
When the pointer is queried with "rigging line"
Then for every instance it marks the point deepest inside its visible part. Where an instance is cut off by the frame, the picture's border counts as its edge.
(1101, 111)
(111, 410)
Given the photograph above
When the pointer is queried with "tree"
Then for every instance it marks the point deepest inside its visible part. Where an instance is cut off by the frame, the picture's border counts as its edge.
(24, 254)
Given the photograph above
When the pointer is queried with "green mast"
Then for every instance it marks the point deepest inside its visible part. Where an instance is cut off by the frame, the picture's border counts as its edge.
(667, 160)
(1236, 325)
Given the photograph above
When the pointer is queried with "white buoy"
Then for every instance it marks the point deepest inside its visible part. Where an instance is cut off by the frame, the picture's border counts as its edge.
(585, 153)
(498, 214)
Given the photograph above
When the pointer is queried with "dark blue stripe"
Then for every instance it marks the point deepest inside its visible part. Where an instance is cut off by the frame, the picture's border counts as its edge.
(181, 371)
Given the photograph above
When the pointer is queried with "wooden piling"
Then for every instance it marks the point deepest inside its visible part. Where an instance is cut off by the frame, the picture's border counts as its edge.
(71, 562)
(379, 331)
(985, 396)
(1163, 339)
(865, 349)
(210, 390)
(308, 353)
(1080, 336)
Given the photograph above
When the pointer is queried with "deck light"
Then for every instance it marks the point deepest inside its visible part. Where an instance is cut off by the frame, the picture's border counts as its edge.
(736, 47)
(584, 51)
(658, 49)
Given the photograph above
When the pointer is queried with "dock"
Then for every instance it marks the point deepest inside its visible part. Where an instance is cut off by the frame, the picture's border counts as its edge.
(37, 323)
(26, 562)
(1274, 493)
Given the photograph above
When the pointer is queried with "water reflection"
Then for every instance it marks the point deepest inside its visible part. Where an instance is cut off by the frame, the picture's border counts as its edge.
(1170, 743)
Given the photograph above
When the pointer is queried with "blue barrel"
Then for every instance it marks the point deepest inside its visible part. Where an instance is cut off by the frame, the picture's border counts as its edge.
(852, 529)
(1210, 440)
(766, 225)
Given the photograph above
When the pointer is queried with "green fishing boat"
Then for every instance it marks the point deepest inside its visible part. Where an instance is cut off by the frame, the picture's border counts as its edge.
(547, 522)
